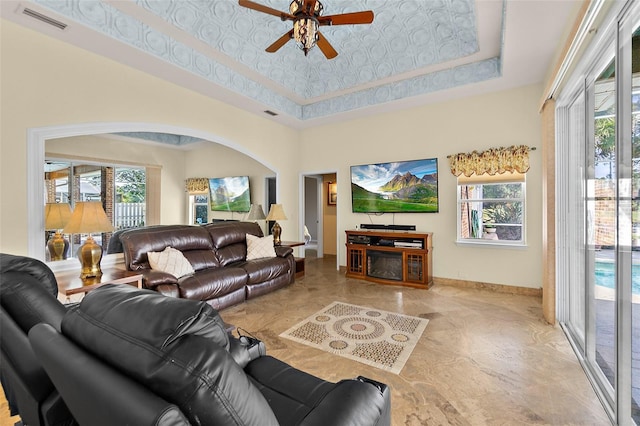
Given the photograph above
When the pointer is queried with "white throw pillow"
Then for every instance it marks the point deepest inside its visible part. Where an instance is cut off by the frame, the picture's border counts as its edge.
(171, 261)
(260, 247)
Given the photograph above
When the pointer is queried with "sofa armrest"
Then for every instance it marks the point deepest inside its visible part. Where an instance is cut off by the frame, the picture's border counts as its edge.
(282, 251)
(353, 402)
(245, 349)
(152, 279)
(19, 359)
(106, 396)
(171, 290)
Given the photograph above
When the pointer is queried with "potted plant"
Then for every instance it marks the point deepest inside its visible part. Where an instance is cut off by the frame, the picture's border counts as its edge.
(488, 226)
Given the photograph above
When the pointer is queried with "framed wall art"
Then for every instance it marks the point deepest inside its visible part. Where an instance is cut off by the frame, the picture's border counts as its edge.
(332, 193)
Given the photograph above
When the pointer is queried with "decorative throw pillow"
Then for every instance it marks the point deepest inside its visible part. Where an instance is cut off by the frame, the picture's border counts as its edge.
(171, 261)
(260, 247)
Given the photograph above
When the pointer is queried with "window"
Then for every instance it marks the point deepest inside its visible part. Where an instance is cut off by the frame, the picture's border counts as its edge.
(121, 189)
(491, 209)
(199, 208)
(198, 192)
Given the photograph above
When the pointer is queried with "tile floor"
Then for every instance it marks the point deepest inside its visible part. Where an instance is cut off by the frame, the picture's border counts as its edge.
(484, 359)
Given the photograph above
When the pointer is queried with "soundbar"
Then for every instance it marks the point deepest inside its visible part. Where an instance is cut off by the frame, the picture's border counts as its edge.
(388, 227)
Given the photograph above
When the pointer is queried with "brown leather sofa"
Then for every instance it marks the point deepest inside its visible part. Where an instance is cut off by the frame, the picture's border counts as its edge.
(223, 277)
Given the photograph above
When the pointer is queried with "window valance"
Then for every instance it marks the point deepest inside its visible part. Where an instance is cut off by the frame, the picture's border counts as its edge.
(492, 161)
(197, 185)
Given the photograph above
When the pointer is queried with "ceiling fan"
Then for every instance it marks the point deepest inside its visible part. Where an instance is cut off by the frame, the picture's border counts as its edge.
(306, 17)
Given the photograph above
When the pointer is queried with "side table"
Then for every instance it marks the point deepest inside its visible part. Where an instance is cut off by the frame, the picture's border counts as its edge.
(70, 283)
(299, 260)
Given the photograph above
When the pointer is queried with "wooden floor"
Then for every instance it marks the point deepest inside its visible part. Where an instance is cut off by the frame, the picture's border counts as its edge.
(485, 358)
(5, 419)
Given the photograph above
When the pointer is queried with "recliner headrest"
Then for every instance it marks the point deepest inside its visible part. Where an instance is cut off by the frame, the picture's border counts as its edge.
(28, 292)
(144, 315)
(30, 266)
(178, 348)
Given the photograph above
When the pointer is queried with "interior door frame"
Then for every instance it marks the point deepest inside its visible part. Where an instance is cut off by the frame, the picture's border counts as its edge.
(319, 212)
(301, 209)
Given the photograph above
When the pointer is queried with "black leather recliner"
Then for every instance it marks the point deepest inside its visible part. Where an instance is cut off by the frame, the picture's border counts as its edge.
(216, 382)
(125, 351)
(28, 296)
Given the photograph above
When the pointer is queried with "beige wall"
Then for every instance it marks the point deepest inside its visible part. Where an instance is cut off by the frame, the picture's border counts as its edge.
(203, 159)
(214, 160)
(45, 83)
(48, 83)
(475, 123)
(330, 217)
(171, 162)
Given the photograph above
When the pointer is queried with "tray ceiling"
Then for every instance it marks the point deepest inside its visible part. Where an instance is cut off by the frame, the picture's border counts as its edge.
(412, 48)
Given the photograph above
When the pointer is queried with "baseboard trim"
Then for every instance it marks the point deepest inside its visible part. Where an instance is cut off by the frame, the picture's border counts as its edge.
(498, 288)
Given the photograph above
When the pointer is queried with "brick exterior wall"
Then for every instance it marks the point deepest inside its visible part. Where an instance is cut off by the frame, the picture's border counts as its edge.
(604, 218)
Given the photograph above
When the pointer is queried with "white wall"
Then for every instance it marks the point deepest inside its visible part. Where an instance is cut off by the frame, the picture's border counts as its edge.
(476, 123)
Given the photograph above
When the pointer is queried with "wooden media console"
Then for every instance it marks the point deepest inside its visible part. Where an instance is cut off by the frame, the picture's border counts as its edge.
(388, 257)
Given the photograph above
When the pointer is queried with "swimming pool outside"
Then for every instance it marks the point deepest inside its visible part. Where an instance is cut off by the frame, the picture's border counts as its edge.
(605, 275)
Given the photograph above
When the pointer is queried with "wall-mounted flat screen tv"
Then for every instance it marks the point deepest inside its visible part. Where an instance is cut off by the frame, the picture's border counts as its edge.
(230, 194)
(400, 187)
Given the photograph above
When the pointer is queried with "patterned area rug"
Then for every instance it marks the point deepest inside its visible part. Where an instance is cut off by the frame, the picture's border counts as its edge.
(379, 338)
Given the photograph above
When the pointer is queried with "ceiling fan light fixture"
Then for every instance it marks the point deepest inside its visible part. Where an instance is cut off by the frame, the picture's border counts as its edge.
(305, 33)
(297, 6)
(306, 18)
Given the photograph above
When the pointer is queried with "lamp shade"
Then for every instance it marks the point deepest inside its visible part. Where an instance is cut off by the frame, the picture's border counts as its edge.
(88, 217)
(56, 215)
(276, 213)
(255, 213)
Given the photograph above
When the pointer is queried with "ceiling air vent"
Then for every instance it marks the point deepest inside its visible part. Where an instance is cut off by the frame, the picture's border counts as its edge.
(271, 113)
(44, 18)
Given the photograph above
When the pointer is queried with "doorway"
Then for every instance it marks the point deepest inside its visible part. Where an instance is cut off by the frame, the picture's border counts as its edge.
(313, 218)
(271, 199)
(319, 214)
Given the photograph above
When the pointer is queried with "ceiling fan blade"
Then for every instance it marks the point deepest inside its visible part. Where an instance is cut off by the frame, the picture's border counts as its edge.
(280, 42)
(364, 17)
(326, 47)
(265, 9)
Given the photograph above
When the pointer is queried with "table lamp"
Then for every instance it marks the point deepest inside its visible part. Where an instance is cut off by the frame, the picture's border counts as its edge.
(56, 217)
(276, 213)
(87, 218)
(255, 213)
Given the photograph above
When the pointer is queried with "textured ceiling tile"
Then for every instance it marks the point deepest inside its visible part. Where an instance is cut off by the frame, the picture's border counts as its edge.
(474, 72)
(158, 43)
(406, 36)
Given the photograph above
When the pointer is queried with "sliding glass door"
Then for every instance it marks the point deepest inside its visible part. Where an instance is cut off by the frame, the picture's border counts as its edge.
(601, 224)
(598, 226)
(630, 228)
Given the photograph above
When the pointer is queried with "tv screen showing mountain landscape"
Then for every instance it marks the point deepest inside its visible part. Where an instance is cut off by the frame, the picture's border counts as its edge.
(230, 194)
(400, 187)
